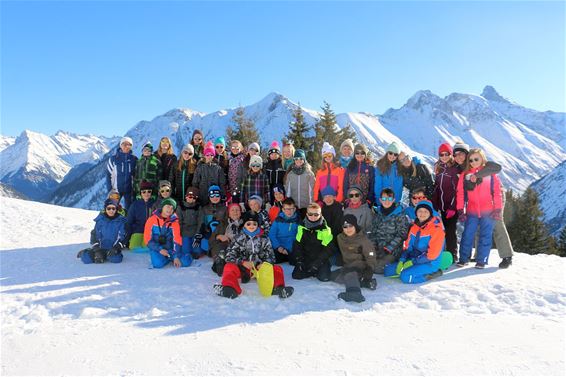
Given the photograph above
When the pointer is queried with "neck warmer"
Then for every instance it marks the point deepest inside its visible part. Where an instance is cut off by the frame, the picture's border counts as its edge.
(355, 205)
(251, 234)
(421, 224)
(299, 170)
(311, 225)
(387, 211)
(344, 161)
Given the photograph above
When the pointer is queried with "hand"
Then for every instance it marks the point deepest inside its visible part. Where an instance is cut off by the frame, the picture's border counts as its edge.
(407, 264)
(387, 250)
(461, 216)
(399, 267)
(164, 252)
(473, 178)
(196, 240)
(267, 206)
(176, 262)
(496, 215)
(247, 264)
(282, 250)
(222, 238)
(450, 213)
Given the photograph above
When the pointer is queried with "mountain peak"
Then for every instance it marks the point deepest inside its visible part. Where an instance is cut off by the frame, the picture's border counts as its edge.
(424, 97)
(490, 94)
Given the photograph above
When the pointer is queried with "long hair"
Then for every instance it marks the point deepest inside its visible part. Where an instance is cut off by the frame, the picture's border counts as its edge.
(476, 151)
(449, 163)
(292, 148)
(384, 166)
(169, 150)
(198, 132)
(191, 163)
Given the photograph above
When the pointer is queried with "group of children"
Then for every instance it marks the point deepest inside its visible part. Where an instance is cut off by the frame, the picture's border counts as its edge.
(348, 215)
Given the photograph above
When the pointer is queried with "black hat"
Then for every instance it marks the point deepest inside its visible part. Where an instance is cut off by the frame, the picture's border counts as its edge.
(350, 219)
(250, 216)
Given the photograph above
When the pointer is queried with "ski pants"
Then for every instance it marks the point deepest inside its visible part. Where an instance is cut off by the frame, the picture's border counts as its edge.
(415, 274)
(485, 224)
(188, 249)
(232, 273)
(450, 231)
(160, 261)
(87, 256)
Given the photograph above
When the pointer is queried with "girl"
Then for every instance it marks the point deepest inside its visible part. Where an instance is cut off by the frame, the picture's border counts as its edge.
(444, 195)
(386, 174)
(299, 182)
(288, 153)
(360, 173)
(166, 156)
(273, 168)
(208, 173)
(197, 141)
(361, 210)
(279, 196)
(329, 174)
(346, 153)
(236, 170)
(222, 241)
(415, 175)
(255, 182)
(182, 176)
(221, 157)
(479, 204)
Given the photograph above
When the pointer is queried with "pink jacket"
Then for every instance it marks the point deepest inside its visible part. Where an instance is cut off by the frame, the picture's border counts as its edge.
(481, 202)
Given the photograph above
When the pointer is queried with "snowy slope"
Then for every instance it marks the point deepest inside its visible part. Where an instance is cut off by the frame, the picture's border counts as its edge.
(552, 191)
(9, 192)
(127, 319)
(6, 141)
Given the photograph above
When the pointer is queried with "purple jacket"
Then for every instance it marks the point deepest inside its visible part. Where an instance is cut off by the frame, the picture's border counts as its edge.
(445, 184)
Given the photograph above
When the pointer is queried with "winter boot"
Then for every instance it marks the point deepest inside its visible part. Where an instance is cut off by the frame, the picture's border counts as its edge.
(352, 294)
(283, 292)
(225, 291)
(506, 262)
(370, 284)
(99, 256)
(480, 265)
(461, 263)
(433, 275)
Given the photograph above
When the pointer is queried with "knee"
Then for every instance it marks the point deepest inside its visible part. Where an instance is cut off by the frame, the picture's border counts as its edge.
(86, 258)
(117, 258)
(158, 260)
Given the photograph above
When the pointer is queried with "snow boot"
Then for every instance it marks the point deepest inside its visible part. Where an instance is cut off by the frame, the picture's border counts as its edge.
(225, 291)
(370, 284)
(352, 294)
(99, 256)
(434, 275)
(506, 262)
(461, 263)
(480, 265)
(283, 292)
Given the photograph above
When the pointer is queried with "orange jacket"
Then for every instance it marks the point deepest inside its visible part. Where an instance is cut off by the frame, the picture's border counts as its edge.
(334, 178)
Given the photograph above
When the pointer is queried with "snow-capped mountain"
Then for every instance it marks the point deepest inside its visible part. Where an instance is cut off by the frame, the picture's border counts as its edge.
(6, 141)
(35, 164)
(9, 192)
(552, 191)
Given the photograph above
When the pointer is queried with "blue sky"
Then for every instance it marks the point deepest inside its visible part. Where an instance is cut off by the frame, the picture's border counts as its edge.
(100, 67)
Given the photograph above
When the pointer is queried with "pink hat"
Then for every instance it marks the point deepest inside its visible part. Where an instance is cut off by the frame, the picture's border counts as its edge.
(274, 148)
(209, 149)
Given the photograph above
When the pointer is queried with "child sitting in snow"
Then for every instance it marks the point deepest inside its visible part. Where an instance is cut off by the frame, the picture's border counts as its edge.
(255, 203)
(249, 250)
(222, 241)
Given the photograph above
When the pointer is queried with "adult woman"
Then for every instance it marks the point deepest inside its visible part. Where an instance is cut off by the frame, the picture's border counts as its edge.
(208, 173)
(329, 174)
(387, 175)
(479, 204)
(288, 152)
(197, 141)
(181, 177)
(444, 195)
(299, 182)
(415, 174)
(360, 173)
(166, 156)
(236, 170)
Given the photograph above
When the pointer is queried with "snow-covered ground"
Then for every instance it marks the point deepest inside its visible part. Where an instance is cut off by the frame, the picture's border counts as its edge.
(60, 317)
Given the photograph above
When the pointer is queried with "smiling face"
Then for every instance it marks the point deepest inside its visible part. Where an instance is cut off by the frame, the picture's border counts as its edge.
(360, 156)
(235, 148)
(423, 214)
(167, 210)
(459, 157)
(197, 139)
(126, 147)
(386, 200)
(405, 159)
(235, 213)
(208, 158)
(250, 226)
(346, 151)
(165, 192)
(254, 205)
(164, 145)
(186, 155)
(328, 199)
(355, 196)
(273, 156)
(146, 195)
(287, 153)
(299, 162)
(328, 157)
(392, 157)
(146, 152)
(349, 230)
(475, 160)
(278, 196)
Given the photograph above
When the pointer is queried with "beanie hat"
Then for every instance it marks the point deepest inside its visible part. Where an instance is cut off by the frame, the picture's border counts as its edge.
(110, 202)
(361, 148)
(350, 219)
(126, 139)
(394, 148)
(213, 190)
(209, 149)
(461, 147)
(328, 190)
(254, 146)
(250, 216)
(299, 153)
(256, 197)
(169, 202)
(327, 148)
(274, 148)
(445, 148)
(192, 191)
(256, 160)
(146, 185)
(147, 145)
(347, 143)
(189, 148)
(280, 189)
(233, 205)
(426, 205)
(220, 140)
(356, 188)
(114, 192)
(164, 183)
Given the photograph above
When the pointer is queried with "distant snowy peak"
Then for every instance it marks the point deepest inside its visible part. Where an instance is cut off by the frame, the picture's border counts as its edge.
(6, 141)
(552, 191)
(490, 94)
(9, 192)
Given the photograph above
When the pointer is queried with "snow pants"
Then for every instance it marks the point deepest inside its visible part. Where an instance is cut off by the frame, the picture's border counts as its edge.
(87, 256)
(232, 273)
(450, 232)
(188, 249)
(160, 261)
(485, 225)
(137, 245)
(415, 274)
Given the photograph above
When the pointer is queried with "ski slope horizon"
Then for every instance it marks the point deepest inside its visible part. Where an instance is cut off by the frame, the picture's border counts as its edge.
(127, 319)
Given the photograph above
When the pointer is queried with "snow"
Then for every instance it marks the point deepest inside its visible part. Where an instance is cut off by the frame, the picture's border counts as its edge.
(127, 319)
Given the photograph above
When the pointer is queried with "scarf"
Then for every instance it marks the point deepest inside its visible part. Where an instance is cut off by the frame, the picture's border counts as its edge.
(311, 225)
(387, 211)
(299, 170)
(252, 234)
(344, 161)
(355, 205)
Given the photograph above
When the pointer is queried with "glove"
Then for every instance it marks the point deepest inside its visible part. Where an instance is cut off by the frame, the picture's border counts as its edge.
(399, 267)
(114, 251)
(450, 213)
(213, 224)
(196, 241)
(496, 215)
(461, 216)
(407, 264)
(119, 246)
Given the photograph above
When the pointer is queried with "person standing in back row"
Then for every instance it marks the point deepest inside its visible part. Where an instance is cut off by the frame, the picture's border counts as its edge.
(166, 156)
(120, 171)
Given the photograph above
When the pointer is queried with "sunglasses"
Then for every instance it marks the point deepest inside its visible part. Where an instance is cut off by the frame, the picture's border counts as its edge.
(146, 191)
(387, 198)
(419, 197)
(255, 166)
(197, 138)
(393, 154)
(297, 158)
(288, 208)
(346, 226)
(313, 214)
(361, 153)
(459, 153)
(219, 147)
(406, 158)
(164, 190)
(235, 147)
(250, 223)
(477, 159)
(190, 154)
(215, 195)
(208, 155)
(444, 154)
(327, 155)
(126, 144)
(111, 208)
(356, 195)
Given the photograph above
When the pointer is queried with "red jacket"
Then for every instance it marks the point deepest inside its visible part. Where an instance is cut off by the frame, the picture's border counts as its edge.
(333, 177)
(480, 201)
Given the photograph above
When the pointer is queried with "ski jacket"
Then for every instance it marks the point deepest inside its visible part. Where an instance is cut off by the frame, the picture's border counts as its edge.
(445, 184)
(233, 228)
(389, 231)
(208, 214)
(333, 215)
(168, 163)
(254, 184)
(300, 187)
(147, 169)
(421, 179)
(109, 231)
(329, 175)
(188, 215)
(275, 210)
(357, 251)
(207, 175)
(255, 249)
(364, 214)
(222, 161)
(313, 247)
(362, 175)
(283, 231)
(483, 199)
(160, 233)
(391, 179)
(236, 172)
(120, 170)
(182, 179)
(424, 243)
(138, 213)
(275, 173)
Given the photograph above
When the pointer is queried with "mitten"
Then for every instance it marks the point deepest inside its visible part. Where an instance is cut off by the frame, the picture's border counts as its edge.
(399, 267)
(461, 216)
(450, 213)
(196, 240)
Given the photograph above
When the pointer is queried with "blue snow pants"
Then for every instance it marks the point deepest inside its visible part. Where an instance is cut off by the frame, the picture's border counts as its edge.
(486, 225)
(414, 274)
(159, 261)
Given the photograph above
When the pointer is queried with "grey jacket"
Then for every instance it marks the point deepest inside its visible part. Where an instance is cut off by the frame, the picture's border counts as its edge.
(300, 187)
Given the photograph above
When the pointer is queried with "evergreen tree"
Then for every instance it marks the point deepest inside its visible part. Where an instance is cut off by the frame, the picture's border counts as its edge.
(561, 243)
(299, 130)
(244, 129)
(325, 129)
(346, 133)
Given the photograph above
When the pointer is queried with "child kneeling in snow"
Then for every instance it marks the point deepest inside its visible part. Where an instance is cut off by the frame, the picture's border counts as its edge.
(420, 260)
(250, 249)
(162, 235)
(108, 236)
(358, 253)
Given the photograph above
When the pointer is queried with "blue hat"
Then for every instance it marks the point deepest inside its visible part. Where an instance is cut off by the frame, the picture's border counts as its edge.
(110, 202)
(299, 153)
(328, 190)
(214, 189)
(220, 140)
(279, 188)
(426, 205)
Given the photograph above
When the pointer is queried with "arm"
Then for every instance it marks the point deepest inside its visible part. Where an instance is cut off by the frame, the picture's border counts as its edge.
(497, 193)
(435, 246)
(460, 193)
(317, 186)
(111, 175)
(489, 169)
(266, 254)
(340, 188)
(177, 240)
(345, 183)
(371, 191)
(273, 234)
(401, 227)
(368, 249)
(311, 186)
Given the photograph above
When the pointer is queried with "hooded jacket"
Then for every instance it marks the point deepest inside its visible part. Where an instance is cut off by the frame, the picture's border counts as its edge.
(300, 187)
(312, 247)
(120, 171)
(170, 231)
(357, 251)
(255, 249)
(109, 231)
(283, 231)
(389, 231)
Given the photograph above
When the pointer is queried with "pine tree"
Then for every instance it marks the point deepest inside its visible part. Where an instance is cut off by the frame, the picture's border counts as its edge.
(561, 243)
(299, 130)
(325, 129)
(244, 129)
(347, 133)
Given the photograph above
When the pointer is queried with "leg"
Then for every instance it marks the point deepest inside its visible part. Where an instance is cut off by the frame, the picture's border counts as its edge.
(502, 241)
(468, 238)
(324, 272)
(390, 270)
(230, 277)
(450, 230)
(384, 261)
(353, 291)
(115, 258)
(484, 243)
(185, 259)
(87, 256)
(158, 260)
(278, 277)
(417, 274)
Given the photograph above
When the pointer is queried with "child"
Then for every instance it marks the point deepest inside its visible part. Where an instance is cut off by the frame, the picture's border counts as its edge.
(387, 172)
(148, 168)
(250, 249)
(163, 237)
(222, 241)
(359, 261)
(273, 168)
(208, 173)
(299, 182)
(139, 212)
(312, 246)
(284, 231)
(236, 170)
(255, 203)
(329, 174)
(181, 176)
(108, 238)
(333, 211)
(115, 195)
(255, 182)
(359, 208)
(361, 173)
(188, 214)
(420, 260)
(212, 220)
(346, 153)
(389, 230)
(279, 196)
(164, 193)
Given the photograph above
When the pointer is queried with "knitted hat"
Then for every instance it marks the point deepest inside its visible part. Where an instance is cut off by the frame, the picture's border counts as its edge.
(461, 147)
(347, 143)
(426, 205)
(114, 192)
(233, 205)
(327, 148)
(361, 148)
(110, 202)
(274, 148)
(209, 149)
(126, 139)
(250, 216)
(164, 183)
(256, 197)
(445, 148)
(220, 140)
(394, 148)
(169, 202)
(192, 191)
(328, 190)
(350, 219)
(254, 146)
(299, 153)
(214, 190)
(355, 188)
(280, 189)
(256, 160)
(189, 148)
(148, 145)
(146, 185)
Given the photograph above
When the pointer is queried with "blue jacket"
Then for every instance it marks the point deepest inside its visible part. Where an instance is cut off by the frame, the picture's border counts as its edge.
(120, 171)
(390, 180)
(283, 231)
(168, 230)
(424, 243)
(138, 213)
(109, 231)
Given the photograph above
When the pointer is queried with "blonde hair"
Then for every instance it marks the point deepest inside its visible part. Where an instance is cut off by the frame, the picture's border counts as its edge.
(169, 150)
(314, 205)
(239, 143)
(292, 148)
(475, 151)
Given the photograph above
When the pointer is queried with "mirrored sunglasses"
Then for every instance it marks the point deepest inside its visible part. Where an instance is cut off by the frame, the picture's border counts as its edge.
(387, 198)
(165, 190)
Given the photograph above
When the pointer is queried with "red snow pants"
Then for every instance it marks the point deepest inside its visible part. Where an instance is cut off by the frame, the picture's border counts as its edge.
(232, 273)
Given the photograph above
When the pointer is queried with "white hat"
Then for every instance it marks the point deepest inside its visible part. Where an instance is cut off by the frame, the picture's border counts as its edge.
(327, 148)
(256, 160)
(126, 139)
